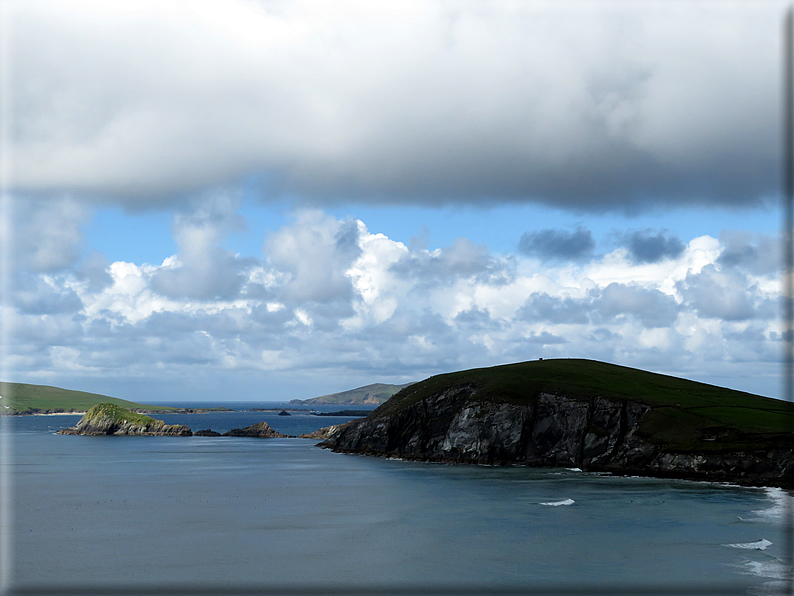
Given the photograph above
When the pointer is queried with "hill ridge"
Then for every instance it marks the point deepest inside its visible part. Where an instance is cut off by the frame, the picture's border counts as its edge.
(585, 414)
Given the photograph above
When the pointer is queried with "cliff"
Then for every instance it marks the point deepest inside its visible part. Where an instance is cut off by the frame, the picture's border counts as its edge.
(110, 419)
(583, 414)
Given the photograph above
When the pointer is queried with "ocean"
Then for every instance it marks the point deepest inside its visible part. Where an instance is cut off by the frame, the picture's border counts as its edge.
(210, 515)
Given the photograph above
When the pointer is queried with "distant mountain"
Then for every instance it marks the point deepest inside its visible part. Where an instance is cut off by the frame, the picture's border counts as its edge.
(22, 399)
(374, 395)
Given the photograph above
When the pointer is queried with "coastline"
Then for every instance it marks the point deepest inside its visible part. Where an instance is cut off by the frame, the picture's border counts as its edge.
(147, 412)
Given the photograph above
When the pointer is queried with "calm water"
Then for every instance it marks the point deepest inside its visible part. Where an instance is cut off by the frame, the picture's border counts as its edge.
(226, 513)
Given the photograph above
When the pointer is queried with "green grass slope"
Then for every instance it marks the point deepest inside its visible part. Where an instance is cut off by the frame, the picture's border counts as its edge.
(685, 415)
(21, 398)
(374, 394)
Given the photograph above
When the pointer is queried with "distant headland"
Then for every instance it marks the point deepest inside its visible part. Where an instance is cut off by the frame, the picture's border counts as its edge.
(22, 399)
(369, 395)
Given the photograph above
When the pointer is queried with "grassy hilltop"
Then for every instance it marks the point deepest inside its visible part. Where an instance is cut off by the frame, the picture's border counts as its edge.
(21, 398)
(685, 414)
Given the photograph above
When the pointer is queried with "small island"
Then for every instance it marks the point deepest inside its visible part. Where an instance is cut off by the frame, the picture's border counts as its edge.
(110, 419)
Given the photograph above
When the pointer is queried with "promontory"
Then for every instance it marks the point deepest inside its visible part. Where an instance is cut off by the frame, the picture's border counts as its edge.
(583, 414)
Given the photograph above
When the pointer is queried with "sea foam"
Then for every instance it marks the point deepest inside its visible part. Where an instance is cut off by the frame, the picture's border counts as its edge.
(757, 545)
(558, 503)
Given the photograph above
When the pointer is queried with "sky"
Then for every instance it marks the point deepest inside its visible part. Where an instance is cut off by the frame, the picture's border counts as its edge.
(266, 200)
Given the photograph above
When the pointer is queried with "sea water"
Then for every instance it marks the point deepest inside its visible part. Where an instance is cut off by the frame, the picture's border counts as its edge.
(226, 515)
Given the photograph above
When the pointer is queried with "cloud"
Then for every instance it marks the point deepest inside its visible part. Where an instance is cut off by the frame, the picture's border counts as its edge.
(647, 248)
(725, 294)
(40, 296)
(202, 269)
(604, 106)
(558, 310)
(315, 254)
(758, 256)
(462, 260)
(477, 319)
(93, 271)
(545, 338)
(558, 244)
(47, 235)
(329, 299)
(651, 307)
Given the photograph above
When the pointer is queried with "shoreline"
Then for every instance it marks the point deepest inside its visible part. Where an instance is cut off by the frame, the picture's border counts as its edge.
(146, 412)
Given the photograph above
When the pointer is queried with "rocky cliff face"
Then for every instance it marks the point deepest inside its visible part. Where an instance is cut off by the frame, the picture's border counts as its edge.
(595, 434)
(109, 419)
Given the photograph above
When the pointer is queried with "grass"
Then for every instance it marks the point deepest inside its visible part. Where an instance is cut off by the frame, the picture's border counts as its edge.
(21, 398)
(686, 414)
(118, 414)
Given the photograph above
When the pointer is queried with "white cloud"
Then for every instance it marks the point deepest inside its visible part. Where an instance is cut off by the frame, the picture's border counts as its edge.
(329, 295)
(315, 253)
(202, 269)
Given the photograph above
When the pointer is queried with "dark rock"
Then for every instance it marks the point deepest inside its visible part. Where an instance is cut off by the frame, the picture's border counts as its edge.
(206, 433)
(260, 430)
(324, 433)
(284, 413)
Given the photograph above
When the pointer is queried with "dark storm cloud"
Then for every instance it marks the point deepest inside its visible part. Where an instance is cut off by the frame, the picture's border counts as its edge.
(558, 244)
(646, 247)
(445, 103)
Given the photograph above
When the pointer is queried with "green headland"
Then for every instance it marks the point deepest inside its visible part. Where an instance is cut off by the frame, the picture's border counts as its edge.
(22, 399)
(683, 412)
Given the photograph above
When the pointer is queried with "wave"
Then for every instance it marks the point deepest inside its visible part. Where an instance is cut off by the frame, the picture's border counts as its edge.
(558, 503)
(762, 544)
(774, 514)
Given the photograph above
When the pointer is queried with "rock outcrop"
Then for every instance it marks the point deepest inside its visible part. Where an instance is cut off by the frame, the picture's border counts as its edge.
(325, 433)
(206, 433)
(260, 430)
(109, 419)
(595, 433)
